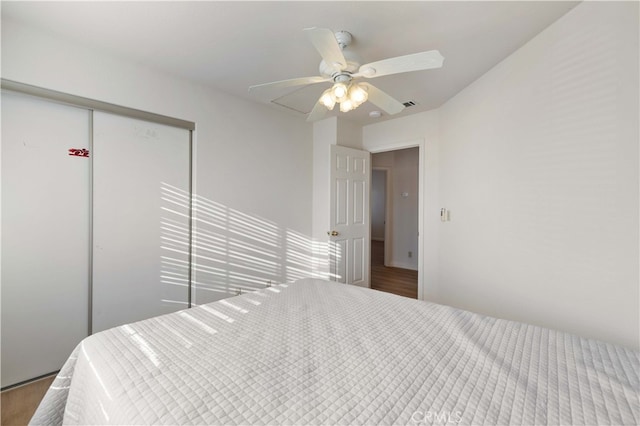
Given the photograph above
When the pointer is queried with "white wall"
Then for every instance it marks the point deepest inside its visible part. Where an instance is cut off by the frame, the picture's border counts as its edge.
(538, 164)
(405, 208)
(403, 172)
(378, 200)
(324, 135)
(539, 167)
(256, 175)
(349, 134)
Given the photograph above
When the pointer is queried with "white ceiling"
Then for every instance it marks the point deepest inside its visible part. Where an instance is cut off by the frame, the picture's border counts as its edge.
(232, 45)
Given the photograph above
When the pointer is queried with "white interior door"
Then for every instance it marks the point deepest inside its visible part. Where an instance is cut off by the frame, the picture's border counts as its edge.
(140, 220)
(45, 235)
(349, 239)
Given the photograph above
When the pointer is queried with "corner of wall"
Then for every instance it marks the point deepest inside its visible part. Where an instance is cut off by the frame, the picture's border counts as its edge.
(324, 135)
(349, 134)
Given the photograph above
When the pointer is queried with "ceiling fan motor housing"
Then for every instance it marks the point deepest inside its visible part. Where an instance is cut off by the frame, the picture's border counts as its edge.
(343, 38)
(353, 64)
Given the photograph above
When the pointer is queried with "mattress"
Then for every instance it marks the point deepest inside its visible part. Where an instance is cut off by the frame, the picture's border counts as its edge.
(318, 352)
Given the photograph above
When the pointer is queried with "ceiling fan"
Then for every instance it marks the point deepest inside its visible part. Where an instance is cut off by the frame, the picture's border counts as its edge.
(342, 67)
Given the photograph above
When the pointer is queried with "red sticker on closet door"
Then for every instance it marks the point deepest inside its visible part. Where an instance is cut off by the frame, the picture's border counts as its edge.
(79, 152)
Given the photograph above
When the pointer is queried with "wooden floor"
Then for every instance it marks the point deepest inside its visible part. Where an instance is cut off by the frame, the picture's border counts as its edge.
(19, 404)
(403, 282)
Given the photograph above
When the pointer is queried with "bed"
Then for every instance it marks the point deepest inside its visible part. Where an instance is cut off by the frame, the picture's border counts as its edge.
(318, 352)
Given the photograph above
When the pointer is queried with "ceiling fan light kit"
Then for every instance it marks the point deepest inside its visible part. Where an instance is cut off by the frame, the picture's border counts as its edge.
(342, 66)
(349, 97)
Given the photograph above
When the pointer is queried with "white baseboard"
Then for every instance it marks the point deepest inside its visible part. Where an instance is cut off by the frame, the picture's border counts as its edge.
(403, 266)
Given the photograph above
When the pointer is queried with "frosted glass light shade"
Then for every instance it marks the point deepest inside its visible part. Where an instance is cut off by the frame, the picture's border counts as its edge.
(339, 90)
(328, 100)
(346, 105)
(358, 94)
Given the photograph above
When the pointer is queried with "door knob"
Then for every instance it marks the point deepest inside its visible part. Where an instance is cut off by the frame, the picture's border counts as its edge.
(332, 233)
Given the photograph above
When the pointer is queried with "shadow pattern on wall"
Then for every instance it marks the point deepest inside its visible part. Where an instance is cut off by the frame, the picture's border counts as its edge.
(232, 252)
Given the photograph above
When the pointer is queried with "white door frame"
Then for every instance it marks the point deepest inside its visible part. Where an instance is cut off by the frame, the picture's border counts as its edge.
(419, 143)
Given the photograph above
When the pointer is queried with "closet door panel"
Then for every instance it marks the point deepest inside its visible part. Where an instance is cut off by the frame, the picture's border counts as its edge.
(140, 220)
(45, 235)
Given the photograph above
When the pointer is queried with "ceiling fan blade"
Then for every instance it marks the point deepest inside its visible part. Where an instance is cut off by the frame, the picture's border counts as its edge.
(326, 44)
(318, 112)
(268, 88)
(415, 62)
(382, 100)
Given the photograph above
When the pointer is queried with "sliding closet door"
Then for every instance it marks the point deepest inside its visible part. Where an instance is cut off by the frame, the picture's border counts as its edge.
(140, 220)
(45, 234)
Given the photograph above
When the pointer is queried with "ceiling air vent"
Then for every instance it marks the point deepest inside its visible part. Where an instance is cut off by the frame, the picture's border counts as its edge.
(408, 104)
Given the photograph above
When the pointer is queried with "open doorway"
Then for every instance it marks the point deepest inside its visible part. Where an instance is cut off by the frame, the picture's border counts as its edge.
(394, 221)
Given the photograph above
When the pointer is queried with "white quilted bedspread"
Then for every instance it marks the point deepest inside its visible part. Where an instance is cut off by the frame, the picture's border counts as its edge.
(316, 352)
